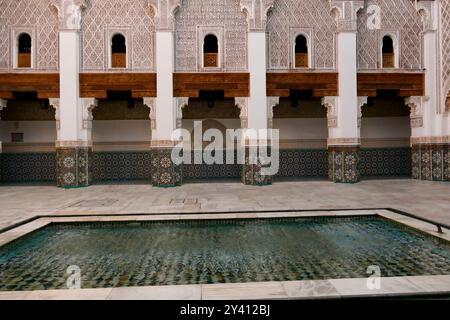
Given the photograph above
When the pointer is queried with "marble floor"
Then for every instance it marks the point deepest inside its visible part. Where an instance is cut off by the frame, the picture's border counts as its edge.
(423, 198)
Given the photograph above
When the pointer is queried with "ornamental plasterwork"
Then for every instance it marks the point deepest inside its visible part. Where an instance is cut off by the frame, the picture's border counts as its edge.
(331, 103)
(180, 104)
(87, 105)
(256, 12)
(416, 106)
(226, 14)
(36, 14)
(69, 13)
(164, 12)
(103, 16)
(425, 10)
(345, 12)
(242, 104)
(398, 16)
(362, 101)
(445, 49)
(272, 102)
(288, 15)
(151, 104)
(54, 103)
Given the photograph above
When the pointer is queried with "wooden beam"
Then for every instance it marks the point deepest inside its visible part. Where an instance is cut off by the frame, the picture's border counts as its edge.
(407, 84)
(321, 84)
(96, 85)
(190, 84)
(45, 84)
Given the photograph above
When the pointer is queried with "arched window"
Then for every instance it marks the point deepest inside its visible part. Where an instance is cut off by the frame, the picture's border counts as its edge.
(210, 52)
(388, 52)
(301, 52)
(118, 52)
(24, 51)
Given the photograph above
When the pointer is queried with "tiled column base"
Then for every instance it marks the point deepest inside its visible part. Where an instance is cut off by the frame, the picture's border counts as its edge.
(251, 173)
(73, 167)
(165, 173)
(343, 164)
(431, 162)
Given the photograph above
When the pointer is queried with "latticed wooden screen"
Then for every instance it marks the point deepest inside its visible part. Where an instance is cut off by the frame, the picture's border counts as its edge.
(211, 60)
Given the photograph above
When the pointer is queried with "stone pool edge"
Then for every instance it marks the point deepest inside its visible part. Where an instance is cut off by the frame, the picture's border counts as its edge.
(308, 289)
(295, 290)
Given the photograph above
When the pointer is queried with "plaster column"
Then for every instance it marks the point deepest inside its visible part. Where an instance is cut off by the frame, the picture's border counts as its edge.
(429, 140)
(165, 173)
(344, 111)
(257, 111)
(74, 143)
(3, 104)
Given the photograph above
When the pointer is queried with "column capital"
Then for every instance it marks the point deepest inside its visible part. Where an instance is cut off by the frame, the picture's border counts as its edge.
(180, 104)
(362, 101)
(346, 14)
(256, 12)
(416, 105)
(331, 103)
(164, 11)
(151, 104)
(242, 104)
(87, 105)
(54, 103)
(69, 13)
(272, 102)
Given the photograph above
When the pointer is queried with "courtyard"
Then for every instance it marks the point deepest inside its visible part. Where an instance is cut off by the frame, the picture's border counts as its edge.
(426, 199)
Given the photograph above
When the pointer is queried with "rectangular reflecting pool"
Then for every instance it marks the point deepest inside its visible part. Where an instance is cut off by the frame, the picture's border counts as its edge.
(119, 254)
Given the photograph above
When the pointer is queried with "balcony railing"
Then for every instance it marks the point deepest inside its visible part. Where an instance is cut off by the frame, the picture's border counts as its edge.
(24, 60)
(211, 60)
(301, 60)
(119, 60)
(388, 60)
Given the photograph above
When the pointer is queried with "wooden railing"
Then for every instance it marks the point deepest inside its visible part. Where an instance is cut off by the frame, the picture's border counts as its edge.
(119, 60)
(211, 60)
(301, 60)
(388, 60)
(24, 60)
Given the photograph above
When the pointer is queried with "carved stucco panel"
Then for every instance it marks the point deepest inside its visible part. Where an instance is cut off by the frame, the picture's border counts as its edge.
(288, 14)
(101, 15)
(396, 16)
(39, 15)
(445, 45)
(203, 13)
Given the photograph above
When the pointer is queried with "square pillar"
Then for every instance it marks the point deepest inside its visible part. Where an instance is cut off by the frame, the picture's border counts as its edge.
(344, 110)
(257, 103)
(430, 140)
(343, 164)
(252, 168)
(73, 165)
(165, 172)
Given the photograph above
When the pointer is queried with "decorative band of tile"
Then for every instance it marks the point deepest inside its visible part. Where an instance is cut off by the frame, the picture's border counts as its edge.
(343, 164)
(73, 144)
(73, 166)
(343, 142)
(431, 162)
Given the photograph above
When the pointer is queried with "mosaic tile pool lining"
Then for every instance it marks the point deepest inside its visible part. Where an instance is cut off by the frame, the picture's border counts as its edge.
(117, 254)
